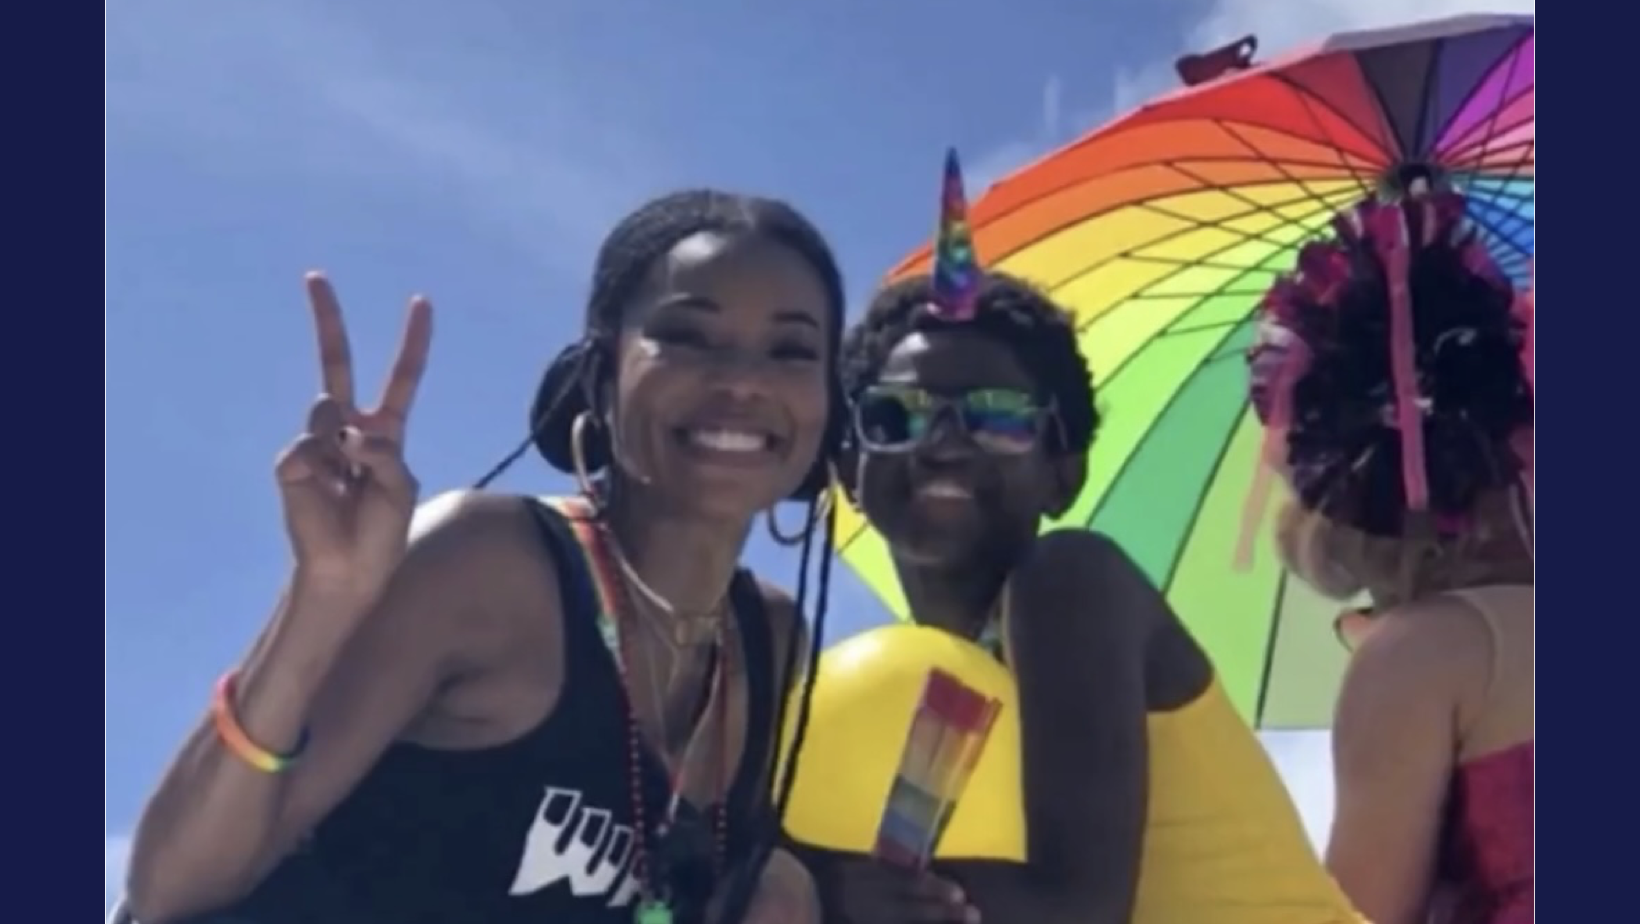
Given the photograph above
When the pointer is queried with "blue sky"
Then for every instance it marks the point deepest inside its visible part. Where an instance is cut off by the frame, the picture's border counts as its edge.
(477, 152)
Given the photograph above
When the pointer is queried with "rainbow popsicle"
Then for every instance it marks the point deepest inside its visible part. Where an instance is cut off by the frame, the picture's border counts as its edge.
(947, 736)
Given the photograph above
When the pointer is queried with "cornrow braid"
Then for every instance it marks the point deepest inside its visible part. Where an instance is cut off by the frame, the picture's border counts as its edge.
(576, 377)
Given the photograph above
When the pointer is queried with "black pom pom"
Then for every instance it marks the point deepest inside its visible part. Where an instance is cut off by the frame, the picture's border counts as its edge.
(1343, 449)
(562, 396)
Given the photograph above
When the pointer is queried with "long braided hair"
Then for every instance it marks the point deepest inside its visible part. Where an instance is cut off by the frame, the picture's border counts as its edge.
(576, 381)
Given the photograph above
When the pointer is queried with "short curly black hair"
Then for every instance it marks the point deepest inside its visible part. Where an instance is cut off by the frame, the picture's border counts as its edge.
(573, 380)
(1039, 331)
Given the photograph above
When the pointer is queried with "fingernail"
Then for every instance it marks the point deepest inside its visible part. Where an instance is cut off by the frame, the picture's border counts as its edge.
(349, 436)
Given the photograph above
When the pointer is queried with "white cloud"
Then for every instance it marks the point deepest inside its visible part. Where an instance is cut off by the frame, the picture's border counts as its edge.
(1282, 26)
(1049, 131)
(1305, 762)
(116, 858)
(288, 89)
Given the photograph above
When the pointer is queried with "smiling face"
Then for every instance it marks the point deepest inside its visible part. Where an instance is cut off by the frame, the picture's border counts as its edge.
(721, 392)
(963, 471)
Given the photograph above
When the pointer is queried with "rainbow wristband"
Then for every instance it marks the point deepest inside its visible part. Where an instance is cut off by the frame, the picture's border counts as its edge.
(238, 742)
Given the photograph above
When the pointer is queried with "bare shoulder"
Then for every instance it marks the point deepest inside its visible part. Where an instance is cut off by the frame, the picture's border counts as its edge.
(1417, 655)
(1069, 547)
(475, 558)
(1082, 568)
(465, 516)
(1431, 642)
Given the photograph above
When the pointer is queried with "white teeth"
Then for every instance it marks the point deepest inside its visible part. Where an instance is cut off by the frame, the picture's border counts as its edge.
(727, 440)
(946, 489)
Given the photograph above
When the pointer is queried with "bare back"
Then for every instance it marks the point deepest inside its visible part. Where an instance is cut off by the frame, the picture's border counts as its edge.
(1502, 713)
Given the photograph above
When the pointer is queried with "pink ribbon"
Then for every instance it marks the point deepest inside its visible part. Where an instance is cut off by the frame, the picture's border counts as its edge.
(1391, 236)
(1272, 456)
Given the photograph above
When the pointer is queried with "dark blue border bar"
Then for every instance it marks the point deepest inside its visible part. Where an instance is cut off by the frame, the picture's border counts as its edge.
(53, 462)
(1589, 481)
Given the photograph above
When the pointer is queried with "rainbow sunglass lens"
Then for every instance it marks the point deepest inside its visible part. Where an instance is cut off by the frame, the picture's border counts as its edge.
(894, 418)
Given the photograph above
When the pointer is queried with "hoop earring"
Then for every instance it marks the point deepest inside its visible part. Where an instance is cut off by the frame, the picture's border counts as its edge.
(578, 458)
(817, 513)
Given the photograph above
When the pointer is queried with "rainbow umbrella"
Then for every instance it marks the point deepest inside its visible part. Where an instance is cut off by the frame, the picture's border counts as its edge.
(1162, 229)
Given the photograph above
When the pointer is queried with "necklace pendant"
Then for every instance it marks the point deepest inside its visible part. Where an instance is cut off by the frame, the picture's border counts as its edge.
(652, 911)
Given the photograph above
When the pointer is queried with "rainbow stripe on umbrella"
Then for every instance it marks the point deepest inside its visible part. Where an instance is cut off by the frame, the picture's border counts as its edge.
(1162, 230)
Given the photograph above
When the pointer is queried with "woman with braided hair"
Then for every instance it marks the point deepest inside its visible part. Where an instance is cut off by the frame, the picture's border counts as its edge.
(1390, 375)
(535, 711)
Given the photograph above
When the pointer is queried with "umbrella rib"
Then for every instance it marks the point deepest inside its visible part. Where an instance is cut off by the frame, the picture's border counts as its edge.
(1311, 103)
(1203, 263)
(1281, 168)
(1201, 328)
(1384, 107)
(1162, 412)
(1254, 208)
(1491, 196)
(1207, 484)
(1504, 227)
(1422, 126)
(1199, 159)
(1514, 56)
(1494, 196)
(1270, 648)
(1178, 168)
(1497, 189)
(1196, 224)
(1222, 224)
(1261, 237)
(1503, 238)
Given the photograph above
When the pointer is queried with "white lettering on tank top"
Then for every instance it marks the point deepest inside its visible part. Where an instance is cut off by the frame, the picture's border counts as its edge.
(569, 842)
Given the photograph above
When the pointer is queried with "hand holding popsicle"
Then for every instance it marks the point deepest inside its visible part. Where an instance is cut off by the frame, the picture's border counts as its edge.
(872, 892)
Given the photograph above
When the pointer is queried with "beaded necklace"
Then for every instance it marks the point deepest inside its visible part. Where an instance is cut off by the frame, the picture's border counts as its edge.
(655, 899)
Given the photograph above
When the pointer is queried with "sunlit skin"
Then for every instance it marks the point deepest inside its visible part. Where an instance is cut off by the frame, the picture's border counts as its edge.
(1430, 686)
(460, 647)
(1085, 683)
(952, 555)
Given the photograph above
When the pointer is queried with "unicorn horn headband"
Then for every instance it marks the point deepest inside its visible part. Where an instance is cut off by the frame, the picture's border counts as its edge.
(956, 267)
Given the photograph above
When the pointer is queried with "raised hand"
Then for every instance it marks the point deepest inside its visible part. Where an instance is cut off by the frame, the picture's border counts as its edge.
(348, 495)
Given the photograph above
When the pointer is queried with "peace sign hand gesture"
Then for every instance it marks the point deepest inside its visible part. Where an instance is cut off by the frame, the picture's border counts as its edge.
(348, 495)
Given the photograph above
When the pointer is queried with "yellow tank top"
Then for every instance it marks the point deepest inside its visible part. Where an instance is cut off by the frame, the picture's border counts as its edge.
(1224, 843)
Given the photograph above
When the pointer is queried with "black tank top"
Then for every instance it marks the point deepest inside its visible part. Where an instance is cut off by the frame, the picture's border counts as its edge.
(535, 831)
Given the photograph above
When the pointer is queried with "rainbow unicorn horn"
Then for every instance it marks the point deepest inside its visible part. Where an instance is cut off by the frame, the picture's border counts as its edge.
(956, 268)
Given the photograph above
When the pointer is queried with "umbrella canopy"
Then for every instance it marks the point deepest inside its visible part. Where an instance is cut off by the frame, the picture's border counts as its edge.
(1162, 230)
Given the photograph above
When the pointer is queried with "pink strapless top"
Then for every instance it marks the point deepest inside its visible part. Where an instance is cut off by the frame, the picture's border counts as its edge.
(1486, 851)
